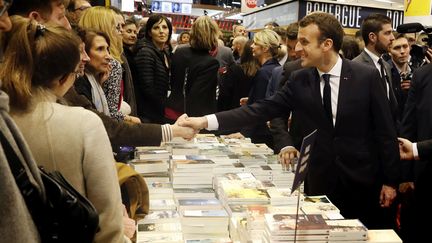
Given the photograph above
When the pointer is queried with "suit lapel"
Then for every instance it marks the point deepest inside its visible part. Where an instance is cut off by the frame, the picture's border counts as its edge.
(318, 102)
(344, 84)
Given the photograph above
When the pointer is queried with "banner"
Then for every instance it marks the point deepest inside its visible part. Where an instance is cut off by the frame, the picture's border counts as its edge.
(283, 14)
(248, 6)
(418, 11)
(350, 16)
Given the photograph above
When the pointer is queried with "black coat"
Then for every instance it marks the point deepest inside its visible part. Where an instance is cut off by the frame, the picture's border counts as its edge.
(350, 161)
(201, 82)
(417, 127)
(234, 85)
(151, 82)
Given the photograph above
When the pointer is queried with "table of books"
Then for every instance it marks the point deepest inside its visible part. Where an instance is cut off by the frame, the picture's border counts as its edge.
(219, 189)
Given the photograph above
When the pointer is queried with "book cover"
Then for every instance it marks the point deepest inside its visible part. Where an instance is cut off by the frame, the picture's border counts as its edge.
(347, 229)
(303, 160)
(280, 224)
(159, 227)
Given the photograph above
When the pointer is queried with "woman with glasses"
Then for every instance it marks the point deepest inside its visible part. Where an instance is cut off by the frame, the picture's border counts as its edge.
(40, 65)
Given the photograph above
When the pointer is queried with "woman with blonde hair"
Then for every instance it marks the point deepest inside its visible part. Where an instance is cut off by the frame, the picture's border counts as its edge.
(265, 49)
(104, 19)
(194, 72)
(40, 65)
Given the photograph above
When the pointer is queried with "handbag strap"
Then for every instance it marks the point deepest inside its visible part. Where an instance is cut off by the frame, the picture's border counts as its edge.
(22, 179)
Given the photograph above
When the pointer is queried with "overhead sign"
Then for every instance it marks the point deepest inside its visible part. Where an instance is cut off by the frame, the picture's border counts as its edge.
(172, 6)
(279, 13)
(350, 16)
(250, 5)
(418, 11)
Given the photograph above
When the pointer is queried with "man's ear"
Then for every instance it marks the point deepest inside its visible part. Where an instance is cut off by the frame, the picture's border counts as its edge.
(372, 37)
(327, 44)
(35, 15)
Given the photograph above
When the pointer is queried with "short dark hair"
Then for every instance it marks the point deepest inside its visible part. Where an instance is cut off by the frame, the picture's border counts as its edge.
(130, 21)
(350, 47)
(25, 7)
(292, 31)
(373, 23)
(328, 26)
(116, 10)
(400, 35)
(281, 32)
(154, 19)
(272, 23)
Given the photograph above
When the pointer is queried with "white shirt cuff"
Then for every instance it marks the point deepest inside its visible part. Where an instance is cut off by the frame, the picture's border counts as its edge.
(415, 151)
(167, 134)
(212, 122)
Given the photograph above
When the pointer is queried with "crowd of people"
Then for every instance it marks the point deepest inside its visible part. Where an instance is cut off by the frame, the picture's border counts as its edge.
(82, 81)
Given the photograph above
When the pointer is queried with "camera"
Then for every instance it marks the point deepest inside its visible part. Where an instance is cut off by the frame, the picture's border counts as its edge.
(418, 52)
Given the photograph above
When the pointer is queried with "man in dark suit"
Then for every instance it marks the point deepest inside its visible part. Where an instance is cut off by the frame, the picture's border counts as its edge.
(377, 33)
(355, 157)
(416, 126)
(279, 126)
(401, 71)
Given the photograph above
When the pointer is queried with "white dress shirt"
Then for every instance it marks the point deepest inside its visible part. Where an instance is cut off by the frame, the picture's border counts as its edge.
(375, 59)
(335, 75)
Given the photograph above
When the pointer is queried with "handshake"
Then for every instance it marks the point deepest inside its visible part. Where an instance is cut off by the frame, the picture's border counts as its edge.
(187, 127)
(406, 149)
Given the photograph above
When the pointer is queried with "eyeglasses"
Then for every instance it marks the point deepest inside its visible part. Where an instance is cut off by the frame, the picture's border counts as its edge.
(5, 7)
(119, 28)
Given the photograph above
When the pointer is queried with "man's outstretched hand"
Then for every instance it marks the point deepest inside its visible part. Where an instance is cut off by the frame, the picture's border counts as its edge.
(196, 123)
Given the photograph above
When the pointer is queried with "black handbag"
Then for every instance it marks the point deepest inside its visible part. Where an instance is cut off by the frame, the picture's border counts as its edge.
(65, 215)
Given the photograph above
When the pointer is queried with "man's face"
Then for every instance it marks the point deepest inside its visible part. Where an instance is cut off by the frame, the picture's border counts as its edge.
(292, 54)
(57, 15)
(384, 39)
(240, 30)
(80, 6)
(5, 22)
(411, 38)
(308, 46)
(399, 51)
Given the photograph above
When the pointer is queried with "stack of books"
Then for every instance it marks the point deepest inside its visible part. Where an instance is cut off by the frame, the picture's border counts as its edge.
(203, 218)
(282, 227)
(344, 230)
(193, 172)
(160, 226)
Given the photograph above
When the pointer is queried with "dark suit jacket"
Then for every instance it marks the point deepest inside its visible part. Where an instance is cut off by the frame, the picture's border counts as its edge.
(416, 126)
(425, 149)
(417, 120)
(279, 125)
(365, 58)
(361, 151)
